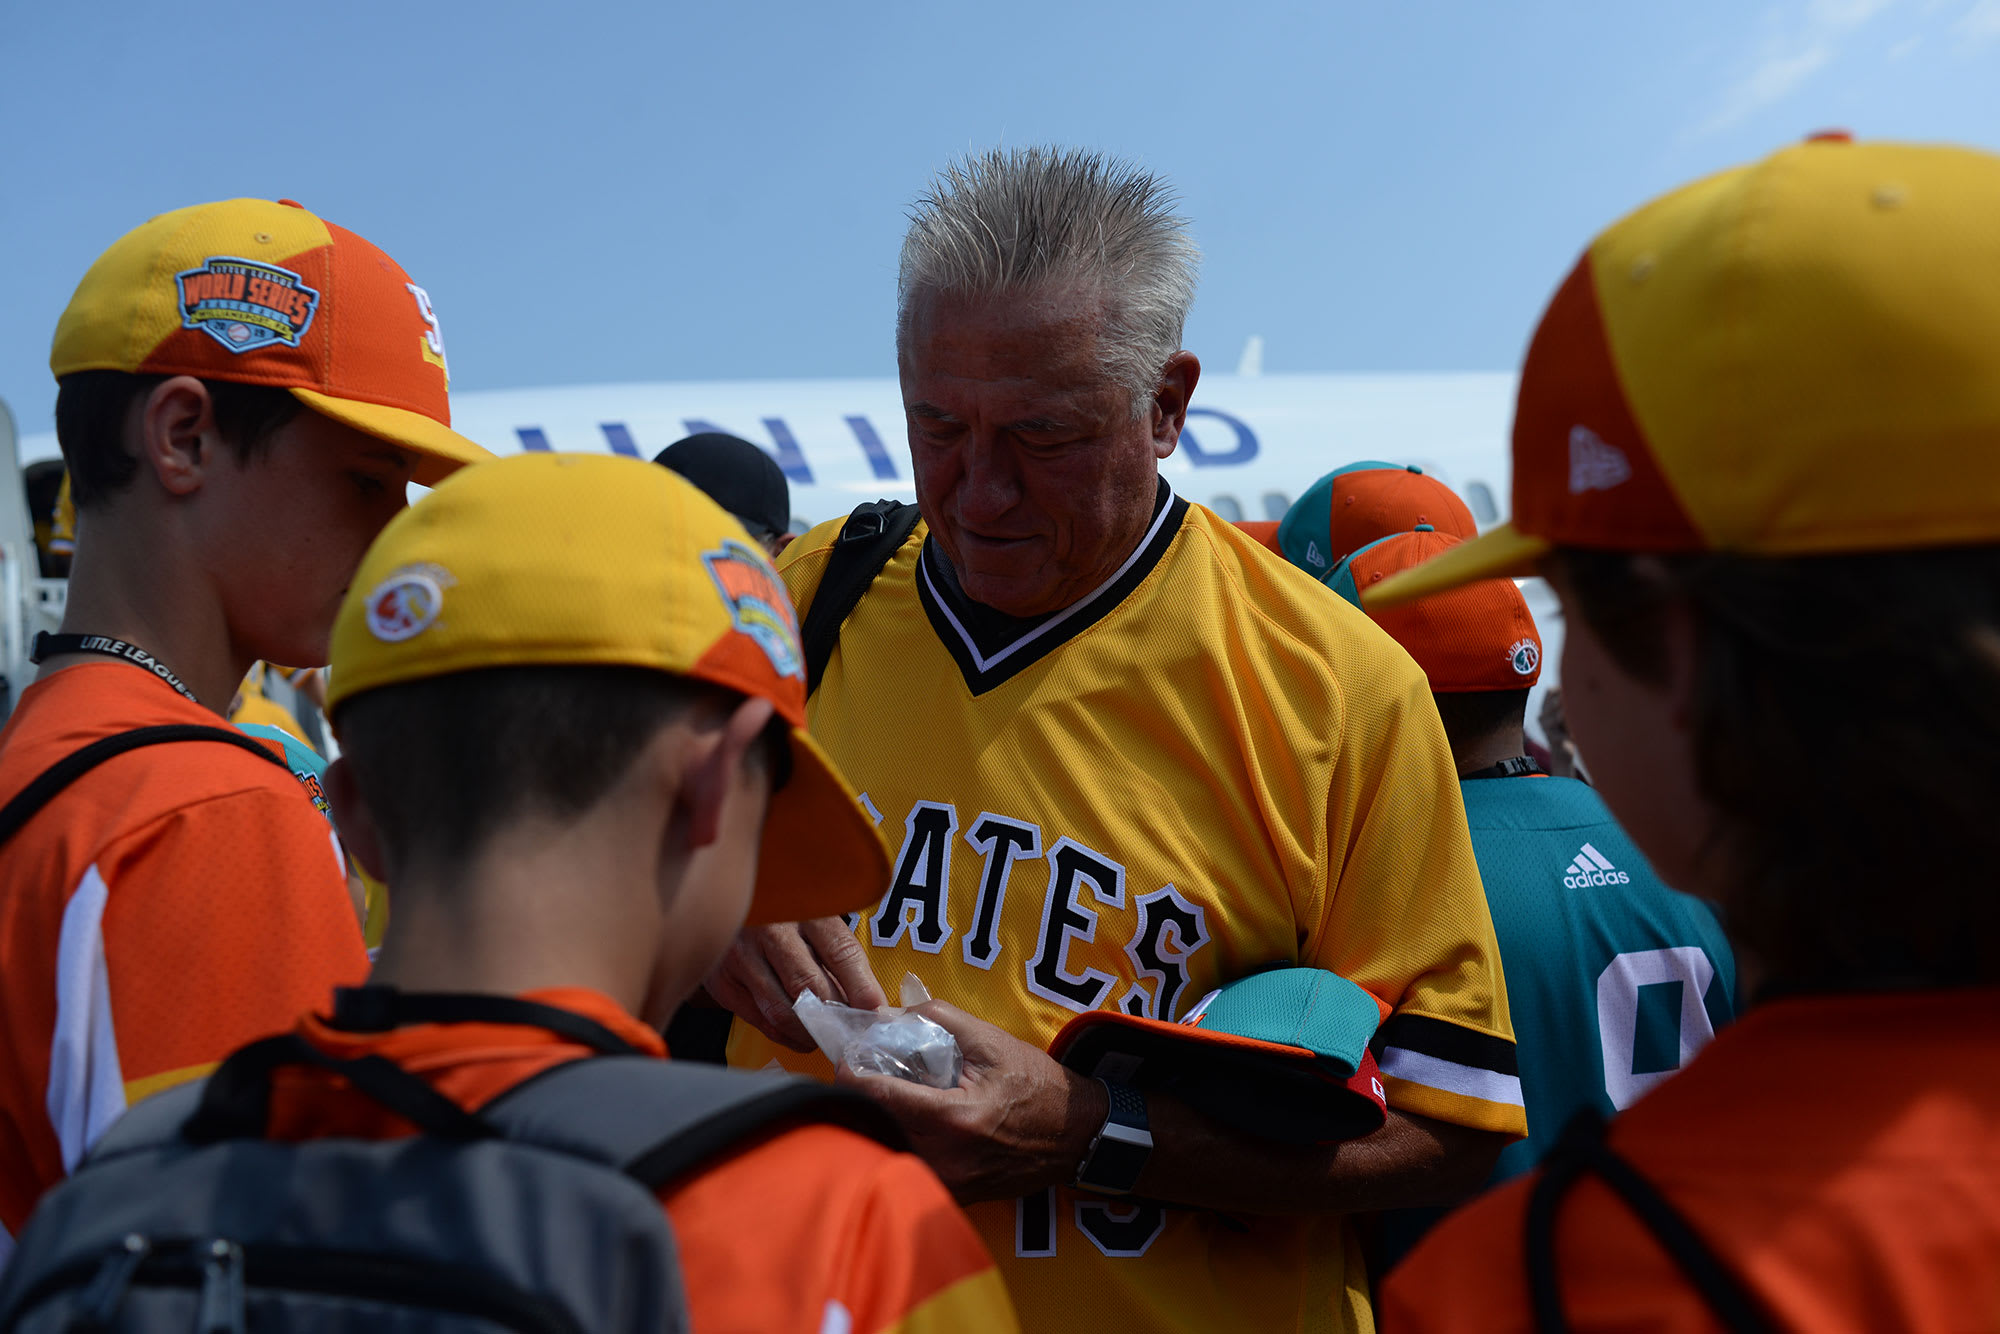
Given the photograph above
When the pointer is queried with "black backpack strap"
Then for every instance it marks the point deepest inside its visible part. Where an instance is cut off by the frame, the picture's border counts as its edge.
(1583, 1150)
(868, 540)
(52, 780)
(236, 1100)
(657, 1120)
(377, 1009)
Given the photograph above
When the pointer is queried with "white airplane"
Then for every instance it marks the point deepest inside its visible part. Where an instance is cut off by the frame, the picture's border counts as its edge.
(1253, 442)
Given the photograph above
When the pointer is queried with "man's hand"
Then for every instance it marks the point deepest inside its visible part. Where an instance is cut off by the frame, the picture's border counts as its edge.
(1018, 1120)
(768, 966)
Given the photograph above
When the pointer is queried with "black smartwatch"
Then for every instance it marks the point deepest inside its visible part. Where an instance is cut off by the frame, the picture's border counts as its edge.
(1123, 1144)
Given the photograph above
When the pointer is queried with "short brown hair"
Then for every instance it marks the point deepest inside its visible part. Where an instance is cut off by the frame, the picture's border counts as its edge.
(1847, 731)
(91, 407)
(445, 763)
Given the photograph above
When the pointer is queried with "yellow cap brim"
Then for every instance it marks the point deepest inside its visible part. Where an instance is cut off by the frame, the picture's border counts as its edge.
(440, 450)
(1502, 553)
(820, 855)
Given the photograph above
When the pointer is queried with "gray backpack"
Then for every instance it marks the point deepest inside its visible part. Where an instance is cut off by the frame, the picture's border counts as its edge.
(536, 1213)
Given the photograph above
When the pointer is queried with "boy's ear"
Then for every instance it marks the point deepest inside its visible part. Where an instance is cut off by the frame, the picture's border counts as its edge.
(350, 816)
(175, 420)
(707, 783)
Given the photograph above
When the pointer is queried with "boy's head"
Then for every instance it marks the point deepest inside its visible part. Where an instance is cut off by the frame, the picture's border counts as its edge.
(523, 645)
(1478, 645)
(1757, 452)
(256, 387)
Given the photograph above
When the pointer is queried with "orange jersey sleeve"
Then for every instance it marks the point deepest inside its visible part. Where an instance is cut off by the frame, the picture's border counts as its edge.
(180, 940)
(212, 939)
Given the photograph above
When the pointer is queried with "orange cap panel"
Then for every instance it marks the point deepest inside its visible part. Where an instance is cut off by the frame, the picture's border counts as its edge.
(1584, 473)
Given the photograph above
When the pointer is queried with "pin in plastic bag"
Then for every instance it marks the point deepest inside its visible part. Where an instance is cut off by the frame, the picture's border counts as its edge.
(889, 1041)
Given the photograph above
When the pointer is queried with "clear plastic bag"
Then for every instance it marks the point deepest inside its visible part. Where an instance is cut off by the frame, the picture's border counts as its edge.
(889, 1041)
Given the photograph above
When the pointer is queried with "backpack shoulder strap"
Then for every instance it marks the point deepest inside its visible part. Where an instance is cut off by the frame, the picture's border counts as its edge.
(51, 781)
(150, 1122)
(657, 1120)
(1583, 1150)
(868, 540)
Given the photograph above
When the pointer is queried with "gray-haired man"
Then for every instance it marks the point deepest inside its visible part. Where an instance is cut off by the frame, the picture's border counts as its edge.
(1133, 756)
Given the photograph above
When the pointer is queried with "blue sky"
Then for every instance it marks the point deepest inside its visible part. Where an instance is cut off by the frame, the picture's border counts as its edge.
(610, 192)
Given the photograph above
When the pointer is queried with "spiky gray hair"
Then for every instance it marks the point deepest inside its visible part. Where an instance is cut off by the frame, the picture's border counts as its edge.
(1013, 220)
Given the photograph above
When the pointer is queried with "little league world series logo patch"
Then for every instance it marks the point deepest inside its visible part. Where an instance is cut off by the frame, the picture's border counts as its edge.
(245, 305)
(757, 604)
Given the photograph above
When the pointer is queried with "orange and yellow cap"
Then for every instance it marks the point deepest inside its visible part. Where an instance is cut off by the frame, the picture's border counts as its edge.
(1480, 636)
(1796, 357)
(575, 559)
(267, 293)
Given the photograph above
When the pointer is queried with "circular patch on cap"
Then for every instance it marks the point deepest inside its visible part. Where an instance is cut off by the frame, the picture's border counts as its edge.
(404, 605)
(1526, 655)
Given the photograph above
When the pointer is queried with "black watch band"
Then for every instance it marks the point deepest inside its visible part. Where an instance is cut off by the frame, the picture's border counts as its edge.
(1118, 1155)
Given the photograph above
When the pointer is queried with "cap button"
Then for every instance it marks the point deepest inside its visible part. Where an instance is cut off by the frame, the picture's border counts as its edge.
(1830, 137)
(1425, 528)
(293, 203)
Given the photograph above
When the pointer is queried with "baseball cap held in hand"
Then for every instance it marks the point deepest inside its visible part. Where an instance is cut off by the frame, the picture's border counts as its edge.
(267, 293)
(1282, 1054)
(1793, 358)
(593, 560)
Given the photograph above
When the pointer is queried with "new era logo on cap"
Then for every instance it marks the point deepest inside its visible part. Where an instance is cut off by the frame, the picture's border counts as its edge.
(1594, 465)
(1592, 867)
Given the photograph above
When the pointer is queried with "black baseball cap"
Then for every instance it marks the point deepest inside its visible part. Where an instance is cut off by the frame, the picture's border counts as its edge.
(736, 475)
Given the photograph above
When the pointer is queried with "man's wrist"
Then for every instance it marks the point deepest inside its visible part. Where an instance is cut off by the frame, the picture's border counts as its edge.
(1089, 1105)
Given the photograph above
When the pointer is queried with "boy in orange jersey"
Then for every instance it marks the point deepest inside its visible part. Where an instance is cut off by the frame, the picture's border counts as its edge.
(1757, 453)
(243, 392)
(572, 711)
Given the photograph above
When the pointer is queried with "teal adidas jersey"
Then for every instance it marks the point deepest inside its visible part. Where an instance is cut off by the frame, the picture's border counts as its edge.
(1614, 980)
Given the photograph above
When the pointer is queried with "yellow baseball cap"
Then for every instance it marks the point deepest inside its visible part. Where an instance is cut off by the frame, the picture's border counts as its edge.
(574, 559)
(1797, 357)
(267, 293)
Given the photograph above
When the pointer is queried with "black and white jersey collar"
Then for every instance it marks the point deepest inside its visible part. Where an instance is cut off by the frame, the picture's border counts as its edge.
(990, 646)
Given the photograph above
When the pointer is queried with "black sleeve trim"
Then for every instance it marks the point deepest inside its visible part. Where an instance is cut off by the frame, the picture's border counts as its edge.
(1447, 1042)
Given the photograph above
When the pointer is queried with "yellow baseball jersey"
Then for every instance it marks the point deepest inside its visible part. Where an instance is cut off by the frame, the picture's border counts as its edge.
(62, 524)
(1209, 766)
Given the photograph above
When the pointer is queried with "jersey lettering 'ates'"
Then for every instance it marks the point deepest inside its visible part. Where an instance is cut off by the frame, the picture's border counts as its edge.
(1199, 771)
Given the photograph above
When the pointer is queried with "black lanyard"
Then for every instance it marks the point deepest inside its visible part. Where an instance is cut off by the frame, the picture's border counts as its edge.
(1517, 766)
(52, 646)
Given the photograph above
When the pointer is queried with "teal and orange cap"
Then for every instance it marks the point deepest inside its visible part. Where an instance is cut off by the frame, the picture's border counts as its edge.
(1353, 506)
(1796, 357)
(269, 293)
(1282, 1054)
(596, 560)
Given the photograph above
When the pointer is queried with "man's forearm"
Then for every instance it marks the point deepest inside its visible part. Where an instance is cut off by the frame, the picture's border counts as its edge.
(1411, 1160)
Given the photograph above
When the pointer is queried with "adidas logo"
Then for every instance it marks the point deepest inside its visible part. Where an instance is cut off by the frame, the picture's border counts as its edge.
(1590, 868)
(1594, 465)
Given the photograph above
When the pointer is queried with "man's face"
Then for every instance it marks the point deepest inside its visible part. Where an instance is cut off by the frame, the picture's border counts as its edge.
(1032, 470)
(283, 533)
